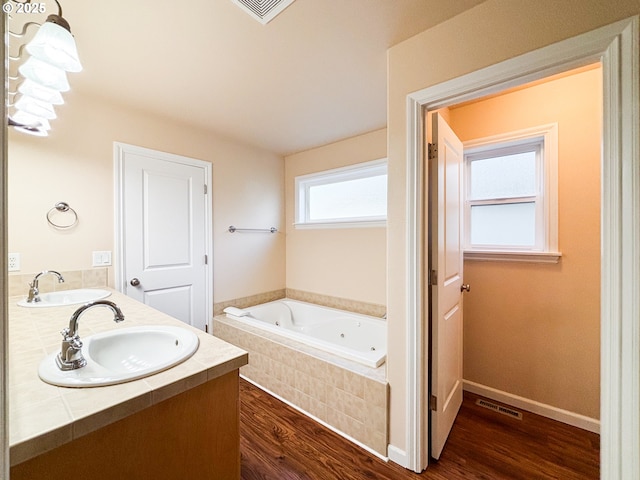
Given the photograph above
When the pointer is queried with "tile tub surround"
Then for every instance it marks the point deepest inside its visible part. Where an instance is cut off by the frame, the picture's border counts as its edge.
(250, 301)
(371, 309)
(355, 306)
(349, 397)
(92, 278)
(43, 416)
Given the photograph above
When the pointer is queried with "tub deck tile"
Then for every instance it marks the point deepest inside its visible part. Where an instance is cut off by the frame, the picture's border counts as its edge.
(350, 397)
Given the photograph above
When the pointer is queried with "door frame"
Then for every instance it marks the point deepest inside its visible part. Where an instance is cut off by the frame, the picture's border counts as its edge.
(616, 47)
(119, 149)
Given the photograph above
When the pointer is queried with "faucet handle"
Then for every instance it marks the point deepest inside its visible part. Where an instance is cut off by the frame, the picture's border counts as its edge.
(74, 340)
(65, 334)
(70, 356)
(75, 343)
(34, 293)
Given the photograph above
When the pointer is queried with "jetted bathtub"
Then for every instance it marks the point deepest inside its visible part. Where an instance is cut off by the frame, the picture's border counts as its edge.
(353, 336)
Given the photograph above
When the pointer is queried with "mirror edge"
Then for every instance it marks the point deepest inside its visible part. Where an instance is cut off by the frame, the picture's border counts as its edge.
(4, 323)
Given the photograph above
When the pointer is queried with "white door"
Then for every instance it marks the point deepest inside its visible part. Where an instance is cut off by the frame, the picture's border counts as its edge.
(164, 220)
(446, 265)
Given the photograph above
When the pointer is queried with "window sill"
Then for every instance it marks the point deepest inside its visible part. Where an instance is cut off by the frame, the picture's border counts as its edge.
(363, 224)
(523, 257)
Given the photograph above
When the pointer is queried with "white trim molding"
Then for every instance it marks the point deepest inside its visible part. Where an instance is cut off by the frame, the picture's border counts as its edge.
(336, 176)
(546, 238)
(417, 451)
(397, 455)
(543, 409)
(523, 257)
(616, 47)
(356, 224)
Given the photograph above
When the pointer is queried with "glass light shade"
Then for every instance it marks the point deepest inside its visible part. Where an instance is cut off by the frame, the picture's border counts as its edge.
(38, 132)
(35, 107)
(45, 74)
(27, 119)
(37, 91)
(55, 45)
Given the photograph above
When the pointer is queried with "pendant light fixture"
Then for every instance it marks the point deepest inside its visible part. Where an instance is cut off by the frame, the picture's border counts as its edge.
(45, 74)
(40, 92)
(54, 44)
(52, 53)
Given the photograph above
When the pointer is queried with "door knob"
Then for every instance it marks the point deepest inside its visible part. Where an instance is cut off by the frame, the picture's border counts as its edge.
(134, 282)
(465, 287)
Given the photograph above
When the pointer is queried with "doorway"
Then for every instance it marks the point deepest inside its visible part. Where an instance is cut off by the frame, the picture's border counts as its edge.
(532, 318)
(616, 47)
(163, 231)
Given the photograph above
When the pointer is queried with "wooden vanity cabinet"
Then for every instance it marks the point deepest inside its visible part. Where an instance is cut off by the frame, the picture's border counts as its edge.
(193, 435)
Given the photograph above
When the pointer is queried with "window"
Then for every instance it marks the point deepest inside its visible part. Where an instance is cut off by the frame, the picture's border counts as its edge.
(349, 196)
(511, 196)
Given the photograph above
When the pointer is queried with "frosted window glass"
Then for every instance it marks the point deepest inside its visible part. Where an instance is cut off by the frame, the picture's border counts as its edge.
(511, 224)
(506, 176)
(362, 197)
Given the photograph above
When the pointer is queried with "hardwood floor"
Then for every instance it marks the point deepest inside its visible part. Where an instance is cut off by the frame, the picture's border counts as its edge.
(279, 443)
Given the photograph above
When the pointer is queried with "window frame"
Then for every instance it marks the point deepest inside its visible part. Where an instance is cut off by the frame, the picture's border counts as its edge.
(545, 249)
(303, 183)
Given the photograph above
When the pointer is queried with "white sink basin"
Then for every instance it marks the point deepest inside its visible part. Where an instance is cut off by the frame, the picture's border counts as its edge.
(67, 297)
(123, 355)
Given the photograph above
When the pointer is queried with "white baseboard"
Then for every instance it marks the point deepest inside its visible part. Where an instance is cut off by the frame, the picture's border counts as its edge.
(564, 416)
(397, 456)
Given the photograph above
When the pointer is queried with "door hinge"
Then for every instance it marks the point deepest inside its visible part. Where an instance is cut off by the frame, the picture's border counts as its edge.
(433, 277)
(433, 403)
(206, 259)
(433, 150)
(206, 189)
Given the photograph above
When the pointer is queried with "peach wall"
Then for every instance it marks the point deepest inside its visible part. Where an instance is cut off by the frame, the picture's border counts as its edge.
(533, 330)
(340, 262)
(76, 164)
(494, 31)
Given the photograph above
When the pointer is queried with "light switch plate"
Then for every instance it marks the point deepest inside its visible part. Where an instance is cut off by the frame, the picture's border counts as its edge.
(101, 259)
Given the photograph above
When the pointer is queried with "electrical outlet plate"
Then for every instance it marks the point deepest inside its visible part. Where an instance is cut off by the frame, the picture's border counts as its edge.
(14, 262)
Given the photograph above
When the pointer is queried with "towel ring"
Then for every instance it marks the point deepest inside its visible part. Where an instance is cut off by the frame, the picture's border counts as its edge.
(62, 207)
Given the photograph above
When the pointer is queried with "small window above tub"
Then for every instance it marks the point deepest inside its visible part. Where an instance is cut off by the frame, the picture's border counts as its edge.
(353, 196)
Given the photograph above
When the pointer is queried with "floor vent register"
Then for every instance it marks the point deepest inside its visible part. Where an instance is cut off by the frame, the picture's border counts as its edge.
(499, 408)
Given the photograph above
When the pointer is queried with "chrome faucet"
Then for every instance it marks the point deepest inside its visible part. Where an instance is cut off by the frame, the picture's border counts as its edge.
(34, 293)
(70, 356)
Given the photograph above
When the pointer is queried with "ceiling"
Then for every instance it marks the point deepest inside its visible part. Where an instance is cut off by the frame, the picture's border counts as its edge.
(313, 75)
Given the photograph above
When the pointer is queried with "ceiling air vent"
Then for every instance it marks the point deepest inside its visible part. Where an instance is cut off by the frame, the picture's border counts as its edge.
(263, 10)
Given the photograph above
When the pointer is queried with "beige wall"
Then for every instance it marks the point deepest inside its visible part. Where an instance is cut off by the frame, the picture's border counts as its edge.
(493, 31)
(533, 330)
(341, 262)
(75, 164)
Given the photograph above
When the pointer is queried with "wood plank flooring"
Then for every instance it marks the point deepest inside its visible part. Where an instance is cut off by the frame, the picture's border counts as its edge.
(279, 443)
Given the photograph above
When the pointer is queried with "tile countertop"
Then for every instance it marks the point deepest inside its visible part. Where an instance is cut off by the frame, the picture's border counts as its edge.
(43, 416)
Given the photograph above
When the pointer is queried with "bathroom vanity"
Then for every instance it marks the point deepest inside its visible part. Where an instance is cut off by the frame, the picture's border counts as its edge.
(180, 423)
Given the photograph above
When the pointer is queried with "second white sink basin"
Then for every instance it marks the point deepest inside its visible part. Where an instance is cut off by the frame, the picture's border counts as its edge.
(122, 355)
(67, 297)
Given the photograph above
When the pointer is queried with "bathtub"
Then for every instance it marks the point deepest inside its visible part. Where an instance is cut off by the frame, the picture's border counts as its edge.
(353, 336)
